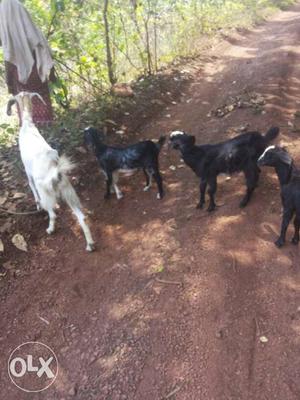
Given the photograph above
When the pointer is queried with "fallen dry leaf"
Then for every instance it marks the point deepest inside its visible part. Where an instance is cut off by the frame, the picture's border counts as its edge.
(11, 207)
(110, 121)
(6, 227)
(18, 195)
(3, 272)
(81, 150)
(158, 102)
(19, 241)
(8, 265)
(3, 198)
(264, 339)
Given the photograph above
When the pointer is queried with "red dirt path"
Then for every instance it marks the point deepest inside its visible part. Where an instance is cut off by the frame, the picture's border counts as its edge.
(121, 334)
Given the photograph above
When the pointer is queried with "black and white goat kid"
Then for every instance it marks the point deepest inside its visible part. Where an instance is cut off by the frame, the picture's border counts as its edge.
(289, 179)
(46, 171)
(234, 155)
(113, 160)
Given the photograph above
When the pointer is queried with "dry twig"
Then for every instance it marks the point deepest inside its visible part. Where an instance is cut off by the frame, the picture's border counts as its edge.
(4, 210)
(168, 396)
(234, 262)
(168, 282)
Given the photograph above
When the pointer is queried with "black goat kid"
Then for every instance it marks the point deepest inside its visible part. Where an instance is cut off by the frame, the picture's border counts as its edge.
(208, 161)
(289, 178)
(112, 160)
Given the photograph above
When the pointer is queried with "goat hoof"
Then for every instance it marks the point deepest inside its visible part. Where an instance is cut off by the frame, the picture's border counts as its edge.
(120, 196)
(211, 208)
(146, 188)
(279, 243)
(159, 196)
(90, 247)
(243, 203)
(295, 241)
(200, 206)
(49, 231)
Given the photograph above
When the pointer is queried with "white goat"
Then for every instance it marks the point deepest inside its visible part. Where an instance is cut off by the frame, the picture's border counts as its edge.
(46, 171)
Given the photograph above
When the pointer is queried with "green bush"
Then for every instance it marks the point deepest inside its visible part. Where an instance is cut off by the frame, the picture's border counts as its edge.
(144, 35)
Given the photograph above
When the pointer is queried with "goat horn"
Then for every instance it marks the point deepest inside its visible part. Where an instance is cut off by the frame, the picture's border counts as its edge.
(10, 103)
(37, 95)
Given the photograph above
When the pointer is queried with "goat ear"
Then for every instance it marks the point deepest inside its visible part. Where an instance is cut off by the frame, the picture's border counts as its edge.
(101, 137)
(191, 140)
(286, 158)
(37, 95)
(10, 103)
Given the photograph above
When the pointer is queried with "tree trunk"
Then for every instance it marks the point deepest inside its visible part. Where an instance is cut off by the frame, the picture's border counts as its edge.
(109, 61)
(155, 41)
(148, 49)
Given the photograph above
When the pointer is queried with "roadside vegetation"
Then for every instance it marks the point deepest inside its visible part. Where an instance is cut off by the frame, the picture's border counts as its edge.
(97, 45)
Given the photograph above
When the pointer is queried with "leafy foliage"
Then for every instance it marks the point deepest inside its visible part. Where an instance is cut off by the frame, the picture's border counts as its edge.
(144, 35)
(96, 43)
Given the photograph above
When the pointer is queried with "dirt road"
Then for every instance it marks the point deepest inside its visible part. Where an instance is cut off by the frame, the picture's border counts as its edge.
(120, 329)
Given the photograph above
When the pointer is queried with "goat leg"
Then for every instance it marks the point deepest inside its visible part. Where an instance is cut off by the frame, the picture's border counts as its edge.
(148, 174)
(35, 192)
(109, 180)
(211, 191)
(158, 180)
(70, 197)
(118, 192)
(90, 244)
(295, 239)
(287, 216)
(52, 218)
(252, 176)
(203, 185)
(246, 198)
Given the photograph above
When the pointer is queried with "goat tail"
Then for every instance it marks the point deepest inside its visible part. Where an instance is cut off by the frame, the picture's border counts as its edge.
(65, 165)
(59, 167)
(161, 142)
(272, 134)
(67, 193)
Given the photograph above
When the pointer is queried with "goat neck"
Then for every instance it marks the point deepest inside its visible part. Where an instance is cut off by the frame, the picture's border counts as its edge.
(187, 149)
(98, 146)
(25, 109)
(284, 172)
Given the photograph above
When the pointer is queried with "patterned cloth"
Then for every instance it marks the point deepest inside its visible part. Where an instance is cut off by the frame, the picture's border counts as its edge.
(23, 42)
(41, 114)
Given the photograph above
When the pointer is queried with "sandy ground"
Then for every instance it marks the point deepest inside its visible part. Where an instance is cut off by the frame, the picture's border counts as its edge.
(175, 301)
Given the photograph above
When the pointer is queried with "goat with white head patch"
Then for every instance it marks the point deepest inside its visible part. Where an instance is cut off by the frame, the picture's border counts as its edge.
(46, 171)
(289, 179)
(234, 155)
(113, 160)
